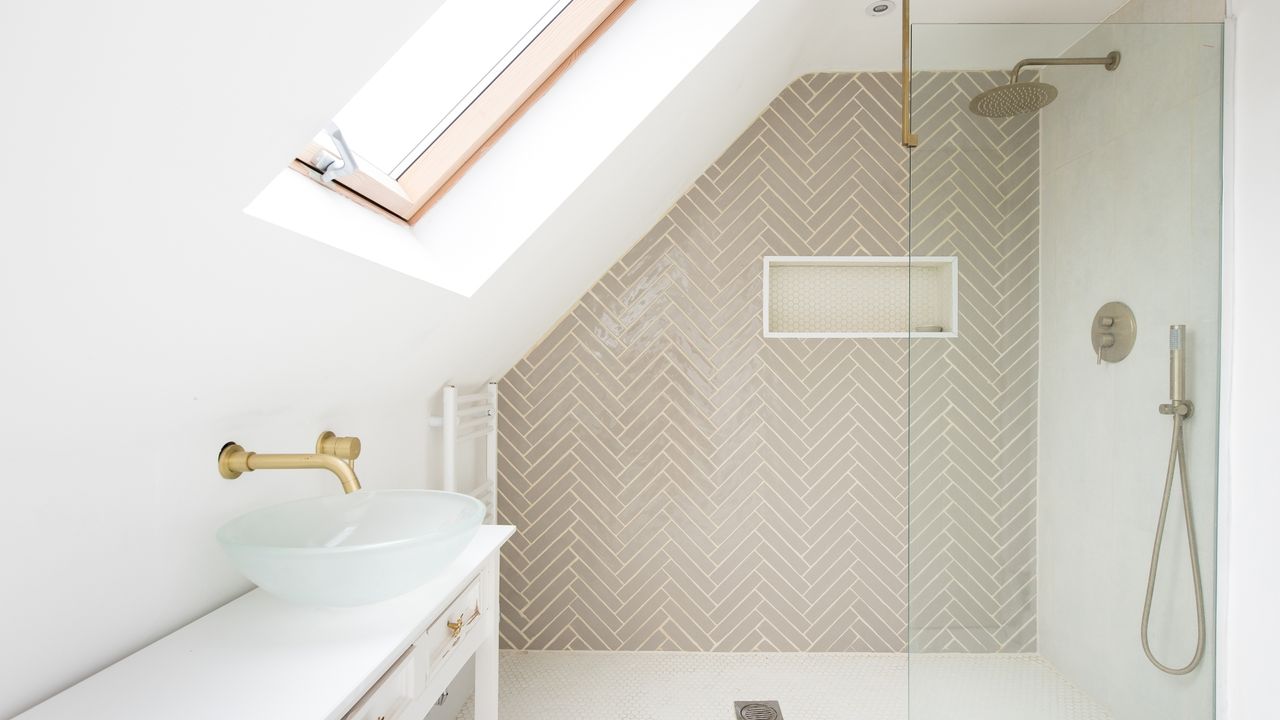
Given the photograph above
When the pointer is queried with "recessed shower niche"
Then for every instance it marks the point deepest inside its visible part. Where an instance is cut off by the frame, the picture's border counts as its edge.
(860, 297)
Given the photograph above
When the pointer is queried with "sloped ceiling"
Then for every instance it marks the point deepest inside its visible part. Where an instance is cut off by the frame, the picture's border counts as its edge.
(1012, 11)
(589, 168)
(772, 42)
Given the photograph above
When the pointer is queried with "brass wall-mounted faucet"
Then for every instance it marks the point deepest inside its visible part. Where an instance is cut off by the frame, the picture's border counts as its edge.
(335, 454)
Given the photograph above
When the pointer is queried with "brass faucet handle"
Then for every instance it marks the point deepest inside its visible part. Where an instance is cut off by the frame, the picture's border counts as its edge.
(347, 448)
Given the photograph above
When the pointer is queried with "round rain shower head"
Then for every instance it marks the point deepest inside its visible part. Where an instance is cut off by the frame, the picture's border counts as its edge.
(1018, 98)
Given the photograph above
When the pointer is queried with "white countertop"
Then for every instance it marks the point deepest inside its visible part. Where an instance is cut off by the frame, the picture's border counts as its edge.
(260, 657)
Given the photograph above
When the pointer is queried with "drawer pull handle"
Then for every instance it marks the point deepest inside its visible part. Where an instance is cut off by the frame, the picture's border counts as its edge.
(456, 626)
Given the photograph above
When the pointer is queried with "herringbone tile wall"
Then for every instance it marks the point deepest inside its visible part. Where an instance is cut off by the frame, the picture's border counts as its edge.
(682, 484)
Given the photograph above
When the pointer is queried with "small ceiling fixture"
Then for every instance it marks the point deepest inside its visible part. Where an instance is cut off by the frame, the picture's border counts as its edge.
(880, 7)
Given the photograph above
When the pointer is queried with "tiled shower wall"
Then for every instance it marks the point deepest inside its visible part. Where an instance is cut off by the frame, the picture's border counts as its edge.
(680, 483)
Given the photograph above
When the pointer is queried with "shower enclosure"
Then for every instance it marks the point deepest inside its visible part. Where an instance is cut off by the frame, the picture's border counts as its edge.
(877, 434)
(1040, 435)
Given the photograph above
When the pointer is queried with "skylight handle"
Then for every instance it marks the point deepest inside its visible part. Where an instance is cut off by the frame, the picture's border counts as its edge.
(336, 167)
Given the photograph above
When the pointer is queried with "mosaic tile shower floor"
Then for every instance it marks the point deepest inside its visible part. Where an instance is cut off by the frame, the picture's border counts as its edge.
(810, 686)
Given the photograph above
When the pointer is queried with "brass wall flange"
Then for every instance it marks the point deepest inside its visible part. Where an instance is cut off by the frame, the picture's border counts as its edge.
(232, 452)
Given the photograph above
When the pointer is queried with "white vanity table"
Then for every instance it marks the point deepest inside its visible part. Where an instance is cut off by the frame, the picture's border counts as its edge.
(259, 657)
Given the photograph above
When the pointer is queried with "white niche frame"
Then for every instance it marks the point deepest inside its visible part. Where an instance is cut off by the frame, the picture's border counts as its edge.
(948, 291)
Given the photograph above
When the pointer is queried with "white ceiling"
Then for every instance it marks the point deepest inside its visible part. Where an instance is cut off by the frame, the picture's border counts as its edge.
(843, 37)
(1011, 11)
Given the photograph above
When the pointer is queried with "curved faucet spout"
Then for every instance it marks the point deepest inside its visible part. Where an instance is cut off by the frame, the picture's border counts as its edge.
(234, 460)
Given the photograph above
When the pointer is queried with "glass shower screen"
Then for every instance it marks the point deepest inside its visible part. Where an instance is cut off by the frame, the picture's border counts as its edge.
(1037, 449)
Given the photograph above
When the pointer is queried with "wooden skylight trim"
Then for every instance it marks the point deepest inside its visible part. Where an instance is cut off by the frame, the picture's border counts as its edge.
(514, 91)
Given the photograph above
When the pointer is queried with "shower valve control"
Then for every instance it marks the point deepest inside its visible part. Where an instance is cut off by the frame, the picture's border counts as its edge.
(1113, 332)
(1105, 342)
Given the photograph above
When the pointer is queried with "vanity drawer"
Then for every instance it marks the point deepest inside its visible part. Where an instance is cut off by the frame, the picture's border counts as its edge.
(446, 632)
(391, 694)
(411, 674)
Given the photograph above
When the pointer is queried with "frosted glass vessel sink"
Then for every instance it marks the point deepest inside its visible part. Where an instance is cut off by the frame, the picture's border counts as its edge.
(353, 549)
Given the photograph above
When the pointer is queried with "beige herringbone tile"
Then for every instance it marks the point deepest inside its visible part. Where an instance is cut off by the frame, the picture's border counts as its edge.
(682, 484)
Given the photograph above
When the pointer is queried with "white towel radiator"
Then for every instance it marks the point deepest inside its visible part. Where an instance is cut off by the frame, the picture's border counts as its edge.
(465, 418)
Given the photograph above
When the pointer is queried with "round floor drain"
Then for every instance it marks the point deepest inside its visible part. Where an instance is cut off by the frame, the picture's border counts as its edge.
(755, 711)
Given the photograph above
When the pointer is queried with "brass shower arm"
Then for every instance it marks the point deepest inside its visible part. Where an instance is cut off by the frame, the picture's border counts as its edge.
(1111, 62)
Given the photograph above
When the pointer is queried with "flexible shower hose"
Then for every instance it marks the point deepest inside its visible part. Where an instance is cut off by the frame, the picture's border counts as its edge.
(1177, 459)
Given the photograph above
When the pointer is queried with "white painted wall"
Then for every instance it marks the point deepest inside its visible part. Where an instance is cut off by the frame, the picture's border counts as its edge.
(148, 319)
(1130, 182)
(1252, 575)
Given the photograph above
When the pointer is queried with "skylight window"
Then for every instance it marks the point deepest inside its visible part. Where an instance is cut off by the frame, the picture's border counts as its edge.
(447, 95)
(436, 75)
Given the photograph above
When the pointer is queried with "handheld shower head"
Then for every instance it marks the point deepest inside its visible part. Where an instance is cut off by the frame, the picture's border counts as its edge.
(1177, 363)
